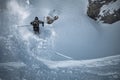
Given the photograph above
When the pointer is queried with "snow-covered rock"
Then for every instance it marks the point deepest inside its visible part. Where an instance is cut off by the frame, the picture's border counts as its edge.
(107, 11)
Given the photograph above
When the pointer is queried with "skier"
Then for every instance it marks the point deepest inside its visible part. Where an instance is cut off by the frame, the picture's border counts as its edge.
(50, 20)
(35, 25)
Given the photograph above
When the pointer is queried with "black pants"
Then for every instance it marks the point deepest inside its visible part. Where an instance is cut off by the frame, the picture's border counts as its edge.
(36, 29)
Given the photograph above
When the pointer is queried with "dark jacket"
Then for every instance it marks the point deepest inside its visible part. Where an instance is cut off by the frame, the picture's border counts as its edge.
(36, 23)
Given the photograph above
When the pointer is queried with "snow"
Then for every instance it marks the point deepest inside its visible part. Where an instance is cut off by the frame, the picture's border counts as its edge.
(83, 34)
(28, 2)
(109, 8)
(13, 64)
(63, 55)
(113, 60)
(17, 10)
(73, 45)
(93, 0)
(72, 36)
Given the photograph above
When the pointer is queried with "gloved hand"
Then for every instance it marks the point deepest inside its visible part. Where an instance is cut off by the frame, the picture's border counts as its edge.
(43, 24)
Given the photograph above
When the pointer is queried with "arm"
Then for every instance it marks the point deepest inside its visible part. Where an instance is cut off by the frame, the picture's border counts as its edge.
(41, 22)
(31, 23)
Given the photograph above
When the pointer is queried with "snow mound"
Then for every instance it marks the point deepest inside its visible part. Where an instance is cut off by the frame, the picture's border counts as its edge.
(112, 60)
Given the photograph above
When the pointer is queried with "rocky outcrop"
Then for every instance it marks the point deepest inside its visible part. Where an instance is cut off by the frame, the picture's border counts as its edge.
(107, 11)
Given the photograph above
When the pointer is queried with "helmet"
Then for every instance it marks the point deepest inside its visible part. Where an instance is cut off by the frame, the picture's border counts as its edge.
(36, 18)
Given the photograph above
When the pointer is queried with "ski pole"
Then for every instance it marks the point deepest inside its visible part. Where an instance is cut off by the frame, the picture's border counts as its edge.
(24, 25)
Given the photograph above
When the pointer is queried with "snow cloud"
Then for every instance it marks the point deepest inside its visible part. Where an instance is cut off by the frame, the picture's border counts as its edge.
(17, 10)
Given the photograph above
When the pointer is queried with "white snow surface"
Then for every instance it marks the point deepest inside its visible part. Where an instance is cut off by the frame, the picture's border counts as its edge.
(72, 42)
(84, 39)
(13, 64)
(107, 61)
(73, 35)
(101, 62)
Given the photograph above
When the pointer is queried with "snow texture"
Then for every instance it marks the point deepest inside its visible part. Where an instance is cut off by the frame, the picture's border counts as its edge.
(110, 8)
(13, 64)
(73, 48)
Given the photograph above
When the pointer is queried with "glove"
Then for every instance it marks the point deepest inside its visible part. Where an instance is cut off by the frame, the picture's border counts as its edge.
(43, 24)
(31, 23)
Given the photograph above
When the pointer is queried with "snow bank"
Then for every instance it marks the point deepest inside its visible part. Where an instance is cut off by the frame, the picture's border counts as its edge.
(112, 60)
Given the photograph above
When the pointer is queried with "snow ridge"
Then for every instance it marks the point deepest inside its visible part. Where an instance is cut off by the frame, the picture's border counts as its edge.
(112, 60)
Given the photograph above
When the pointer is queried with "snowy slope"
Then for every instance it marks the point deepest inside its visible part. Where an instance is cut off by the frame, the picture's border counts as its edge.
(73, 48)
(103, 68)
(113, 60)
(84, 37)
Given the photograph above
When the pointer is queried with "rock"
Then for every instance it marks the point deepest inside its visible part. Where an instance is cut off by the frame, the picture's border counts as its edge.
(107, 11)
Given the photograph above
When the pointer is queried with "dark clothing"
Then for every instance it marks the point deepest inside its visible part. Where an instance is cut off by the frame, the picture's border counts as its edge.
(35, 25)
(36, 30)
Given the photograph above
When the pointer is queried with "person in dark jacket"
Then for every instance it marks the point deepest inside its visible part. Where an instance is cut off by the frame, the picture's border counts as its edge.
(35, 25)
